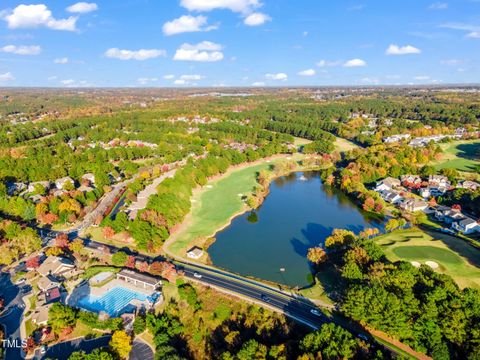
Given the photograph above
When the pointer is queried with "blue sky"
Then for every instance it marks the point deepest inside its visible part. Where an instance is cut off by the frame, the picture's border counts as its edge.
(238, 42)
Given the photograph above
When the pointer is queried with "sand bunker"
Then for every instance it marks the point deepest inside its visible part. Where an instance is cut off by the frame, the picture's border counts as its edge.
(209, 186)
(432, 264)
(415, 263)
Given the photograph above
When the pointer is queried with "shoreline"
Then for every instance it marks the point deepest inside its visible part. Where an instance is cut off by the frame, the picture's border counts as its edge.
(198, 191)
(205, 241)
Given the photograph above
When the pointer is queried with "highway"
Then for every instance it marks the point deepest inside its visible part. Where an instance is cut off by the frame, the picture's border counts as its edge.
(267, 296)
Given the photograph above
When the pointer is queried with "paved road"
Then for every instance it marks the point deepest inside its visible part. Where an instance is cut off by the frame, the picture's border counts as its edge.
(11, 318)
(300, 310)
(62, 351)
(141, 351)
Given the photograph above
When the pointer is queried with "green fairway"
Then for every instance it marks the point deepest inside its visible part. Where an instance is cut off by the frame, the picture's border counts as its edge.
(424, 253)
(454, 256)
(460, 155)
(215, 204)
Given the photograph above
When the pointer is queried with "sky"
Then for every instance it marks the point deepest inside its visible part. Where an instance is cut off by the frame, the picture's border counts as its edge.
(188, 43)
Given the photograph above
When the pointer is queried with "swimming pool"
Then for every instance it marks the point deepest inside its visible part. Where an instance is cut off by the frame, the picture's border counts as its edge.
(113, 302)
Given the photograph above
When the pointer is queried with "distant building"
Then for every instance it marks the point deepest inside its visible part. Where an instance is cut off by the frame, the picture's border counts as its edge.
(470, 185)
(195, 253)
(391, 196)
(90, 178)
(44, 184)
(396, 138)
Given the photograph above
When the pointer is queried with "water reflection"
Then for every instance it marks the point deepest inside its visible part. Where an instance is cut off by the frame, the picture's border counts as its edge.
(300, 212)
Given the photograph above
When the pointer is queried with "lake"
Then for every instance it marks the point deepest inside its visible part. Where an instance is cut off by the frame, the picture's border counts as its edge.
(299, 212)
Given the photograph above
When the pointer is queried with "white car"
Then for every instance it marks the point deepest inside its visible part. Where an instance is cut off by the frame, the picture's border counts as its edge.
(20, 281)
(197, 275)
(43, 349)
(316, 312)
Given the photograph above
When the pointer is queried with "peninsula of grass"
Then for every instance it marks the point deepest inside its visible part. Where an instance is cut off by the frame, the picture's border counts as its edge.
(217, 203)
(454, 256)
(460, 155)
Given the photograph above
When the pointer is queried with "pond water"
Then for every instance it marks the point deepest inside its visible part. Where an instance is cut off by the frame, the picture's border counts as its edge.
(272, 243)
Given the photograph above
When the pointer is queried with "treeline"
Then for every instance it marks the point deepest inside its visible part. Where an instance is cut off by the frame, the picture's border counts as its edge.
(418, 306)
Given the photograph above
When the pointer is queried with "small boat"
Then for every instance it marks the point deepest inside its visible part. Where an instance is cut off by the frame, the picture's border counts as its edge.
(303, 178)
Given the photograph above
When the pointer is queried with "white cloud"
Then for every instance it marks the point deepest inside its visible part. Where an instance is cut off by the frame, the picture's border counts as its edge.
(305, 33)
(6, 77)
(192, 77)
(37, 16)
(325, 63)
(169, 77)
(278, 76)
(452, 62)
(63, 60)
(256, 19)
(244, 7)
(368, 80)
(142, 54)
(146, 80)
(308, 72)
(82, 7)
(422, 77)
(238, 6)
(438, 6)
(22, 50)
(74, 83)
(258, 83)
(402, 50)
(473, 30)
(187, 23)
(180, 82)
(355, 63)
(205, 51)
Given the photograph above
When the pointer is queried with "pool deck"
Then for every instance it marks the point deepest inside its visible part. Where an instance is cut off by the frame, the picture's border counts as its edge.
(99, 291)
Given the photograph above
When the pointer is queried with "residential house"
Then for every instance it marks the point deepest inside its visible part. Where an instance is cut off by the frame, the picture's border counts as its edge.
(391, 196)
(424, 192)
(195, 253)
(396, 138)
(411, 181)
(85, 188)
(448, 215)
(466, 226)
(438, 184)
(60, 183)
(90, 178)
(47, 282)
(52, 295)
(44, 184)
(470, 185)
(388, 183)
(56, 266)
(413, 205)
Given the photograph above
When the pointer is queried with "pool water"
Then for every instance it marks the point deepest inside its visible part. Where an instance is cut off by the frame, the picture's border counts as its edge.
(113, 302)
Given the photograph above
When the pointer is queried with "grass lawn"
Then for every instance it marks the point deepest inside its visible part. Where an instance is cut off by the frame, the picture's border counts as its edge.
(344, 145)
(301, 141)
(461, 155)
(455, 257)
(30, 327)
(217, 202)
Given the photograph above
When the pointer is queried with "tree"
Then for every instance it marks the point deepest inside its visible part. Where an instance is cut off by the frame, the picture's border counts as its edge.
(391, 225)
(316, 255)
(139, 325)
(121, 344)
(119, 259)
(108, 232)
(339, 237)
(60, 317)
(130, 263)
(61, 241)
(33, 262)
(76, 246)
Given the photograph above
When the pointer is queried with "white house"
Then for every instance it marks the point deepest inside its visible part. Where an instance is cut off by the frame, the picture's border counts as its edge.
(60, 183)
(56, 266)
(89, 177)
(413, 205)
(44, 184)
(470, 185)
(466, 226)
(388, 183)
(391, 196)
(396, 138)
